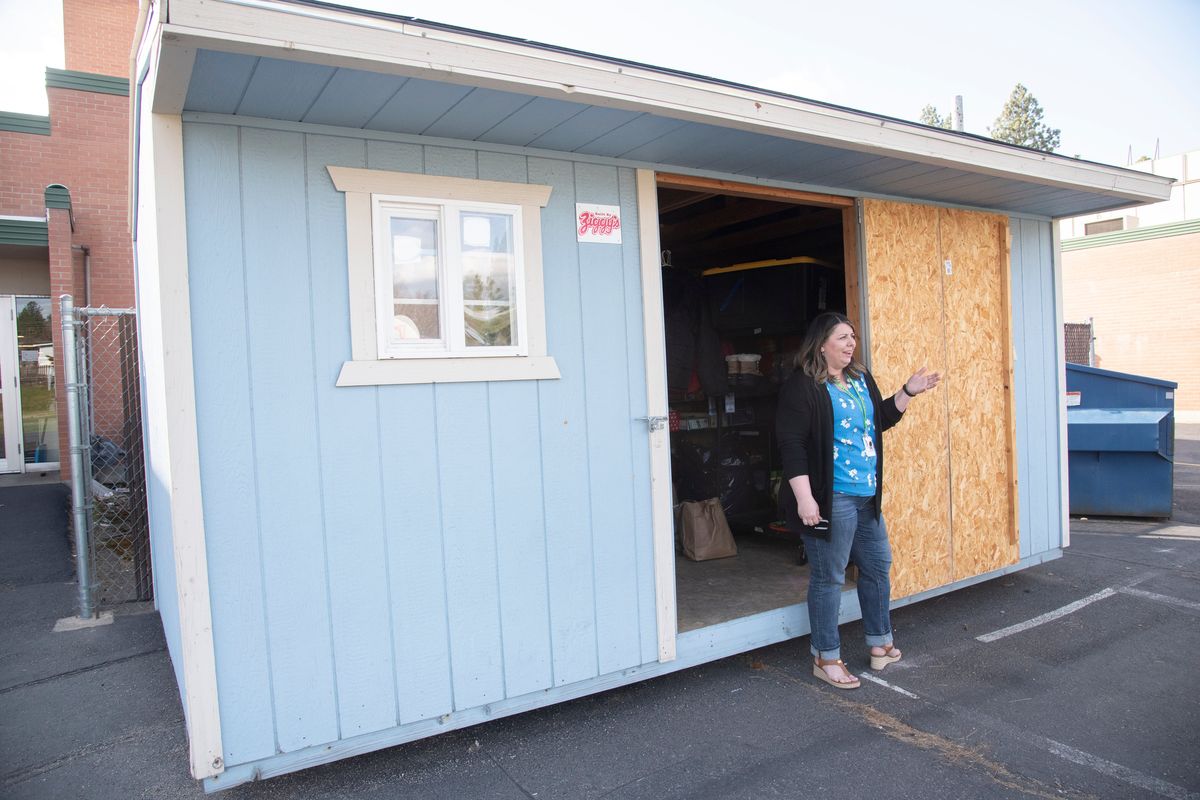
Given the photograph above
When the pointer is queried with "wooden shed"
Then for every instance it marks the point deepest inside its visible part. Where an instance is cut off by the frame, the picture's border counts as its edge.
(417, 304)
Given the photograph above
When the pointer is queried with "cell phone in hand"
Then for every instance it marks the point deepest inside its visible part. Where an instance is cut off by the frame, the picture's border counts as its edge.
(822, 525)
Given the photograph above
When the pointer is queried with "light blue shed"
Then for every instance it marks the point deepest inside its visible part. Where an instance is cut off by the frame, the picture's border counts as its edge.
(405, 359)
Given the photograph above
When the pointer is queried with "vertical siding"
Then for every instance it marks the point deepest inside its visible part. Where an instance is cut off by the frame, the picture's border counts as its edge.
(639, 443)
(286, 437)
(569, 557)
(468, 512)
(1035, 329)
(517, 489)
(610, 460)
(383, 555)
(359, 591)
(408, 461)
(225, 433)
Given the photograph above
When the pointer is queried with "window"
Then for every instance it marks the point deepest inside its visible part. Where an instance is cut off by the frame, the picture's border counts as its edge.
(1104, 226)
(445, 279)
(448, 279)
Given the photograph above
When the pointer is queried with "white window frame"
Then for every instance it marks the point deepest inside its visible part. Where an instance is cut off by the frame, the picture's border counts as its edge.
(372, 196)
(451, 341)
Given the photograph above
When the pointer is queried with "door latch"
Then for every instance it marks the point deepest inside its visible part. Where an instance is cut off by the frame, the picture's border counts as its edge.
(656, 423)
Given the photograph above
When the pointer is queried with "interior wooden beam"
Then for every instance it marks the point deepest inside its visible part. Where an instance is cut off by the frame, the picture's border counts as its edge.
(759, 236)
(667, 205)
(740, 210)
(716, 186)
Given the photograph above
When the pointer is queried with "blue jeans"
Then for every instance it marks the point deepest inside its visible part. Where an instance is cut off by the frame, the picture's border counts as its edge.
(854, 533)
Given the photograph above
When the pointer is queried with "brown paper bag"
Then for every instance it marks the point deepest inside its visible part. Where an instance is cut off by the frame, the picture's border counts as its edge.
(705, 533)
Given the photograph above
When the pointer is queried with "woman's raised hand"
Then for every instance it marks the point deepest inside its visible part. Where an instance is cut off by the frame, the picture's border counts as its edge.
(922, 381)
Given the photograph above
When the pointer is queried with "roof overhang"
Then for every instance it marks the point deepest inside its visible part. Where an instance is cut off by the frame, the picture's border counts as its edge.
(660, 118)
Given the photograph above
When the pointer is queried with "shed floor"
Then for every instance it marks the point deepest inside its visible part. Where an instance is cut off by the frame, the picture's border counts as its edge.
(763, 576)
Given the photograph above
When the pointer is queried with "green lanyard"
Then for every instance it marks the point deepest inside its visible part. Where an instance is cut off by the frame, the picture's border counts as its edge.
(859, 403)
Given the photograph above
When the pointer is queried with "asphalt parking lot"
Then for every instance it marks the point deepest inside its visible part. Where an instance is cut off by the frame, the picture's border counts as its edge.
(1073, 679)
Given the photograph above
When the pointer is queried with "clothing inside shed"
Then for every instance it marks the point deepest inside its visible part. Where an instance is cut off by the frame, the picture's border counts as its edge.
(742, 276)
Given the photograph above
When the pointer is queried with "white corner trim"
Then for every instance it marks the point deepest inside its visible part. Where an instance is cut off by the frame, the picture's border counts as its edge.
(447, 370)
(1060, 355)
(174, 73)
(662, 514)
(165, 141)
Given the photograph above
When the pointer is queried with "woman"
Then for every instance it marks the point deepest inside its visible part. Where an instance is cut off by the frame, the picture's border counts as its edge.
(830, 415)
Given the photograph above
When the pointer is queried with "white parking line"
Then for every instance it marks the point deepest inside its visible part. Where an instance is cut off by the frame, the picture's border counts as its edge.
(866, 676)
(1118, 771)
(1161, 598)
(1047, 617)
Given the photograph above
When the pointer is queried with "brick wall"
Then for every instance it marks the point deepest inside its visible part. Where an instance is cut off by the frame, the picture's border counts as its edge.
(98, 35)
(88, 152)
(1143, 296)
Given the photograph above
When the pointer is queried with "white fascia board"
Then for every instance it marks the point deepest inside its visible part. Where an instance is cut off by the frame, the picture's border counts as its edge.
(343, 38)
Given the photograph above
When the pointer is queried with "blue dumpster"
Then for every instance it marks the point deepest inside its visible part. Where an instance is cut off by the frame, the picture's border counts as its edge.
(1120, 443)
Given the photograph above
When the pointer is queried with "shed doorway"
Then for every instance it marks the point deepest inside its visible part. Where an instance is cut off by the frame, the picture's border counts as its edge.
(744, 270)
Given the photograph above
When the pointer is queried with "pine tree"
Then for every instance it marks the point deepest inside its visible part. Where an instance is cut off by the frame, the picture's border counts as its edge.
(930, 116)
(1021, 123)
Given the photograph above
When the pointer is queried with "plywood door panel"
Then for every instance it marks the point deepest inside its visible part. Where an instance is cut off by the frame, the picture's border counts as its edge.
(904, 290)
(978, 388)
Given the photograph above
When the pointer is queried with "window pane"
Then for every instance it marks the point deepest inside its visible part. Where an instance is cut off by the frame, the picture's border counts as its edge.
(35, 352)
(489, 277)
(415, 279)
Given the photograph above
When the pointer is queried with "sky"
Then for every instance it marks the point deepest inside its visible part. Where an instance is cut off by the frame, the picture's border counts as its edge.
(1118, 78)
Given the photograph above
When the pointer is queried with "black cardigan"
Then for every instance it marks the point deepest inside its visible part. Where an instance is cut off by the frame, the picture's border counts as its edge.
(804, 428)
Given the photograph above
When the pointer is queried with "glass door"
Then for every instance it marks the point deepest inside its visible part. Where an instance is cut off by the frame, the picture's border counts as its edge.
(10, 456)
(28, 391)
(35, 365)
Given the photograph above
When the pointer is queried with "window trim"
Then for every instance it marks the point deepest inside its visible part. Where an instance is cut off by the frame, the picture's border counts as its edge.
(366, 366)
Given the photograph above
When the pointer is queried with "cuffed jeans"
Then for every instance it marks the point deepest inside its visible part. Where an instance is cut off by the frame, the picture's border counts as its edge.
(854, 533)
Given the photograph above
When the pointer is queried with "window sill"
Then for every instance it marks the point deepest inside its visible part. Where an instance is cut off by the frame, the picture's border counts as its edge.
(447, 370)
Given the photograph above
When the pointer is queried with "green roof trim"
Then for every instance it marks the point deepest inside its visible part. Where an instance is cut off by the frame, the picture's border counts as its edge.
(1132, 235)
(24, 123)
(28, 232)
(58, 196)
(85, 82)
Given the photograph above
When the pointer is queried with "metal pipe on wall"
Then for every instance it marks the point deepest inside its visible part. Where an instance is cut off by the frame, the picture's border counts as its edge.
(87, 271)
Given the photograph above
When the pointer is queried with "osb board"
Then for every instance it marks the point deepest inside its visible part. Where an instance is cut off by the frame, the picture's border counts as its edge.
(977, 387)
(904, 308)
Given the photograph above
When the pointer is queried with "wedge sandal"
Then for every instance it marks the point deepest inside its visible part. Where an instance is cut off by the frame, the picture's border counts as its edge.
(830, 662)
(890, 656)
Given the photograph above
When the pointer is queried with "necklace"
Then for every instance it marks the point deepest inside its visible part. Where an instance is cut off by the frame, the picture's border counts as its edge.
(853, 393)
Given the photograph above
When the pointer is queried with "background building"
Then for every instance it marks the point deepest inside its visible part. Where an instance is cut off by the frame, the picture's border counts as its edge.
(64, 222)
(1136, 274)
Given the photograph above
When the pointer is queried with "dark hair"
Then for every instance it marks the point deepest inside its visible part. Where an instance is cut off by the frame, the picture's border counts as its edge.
(811, 360)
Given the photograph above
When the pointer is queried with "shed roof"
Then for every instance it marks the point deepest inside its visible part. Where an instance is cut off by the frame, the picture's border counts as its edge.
(312, 62)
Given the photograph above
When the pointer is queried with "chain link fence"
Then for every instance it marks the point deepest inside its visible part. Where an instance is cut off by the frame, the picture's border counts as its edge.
(108, 476)
(1080, 343)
